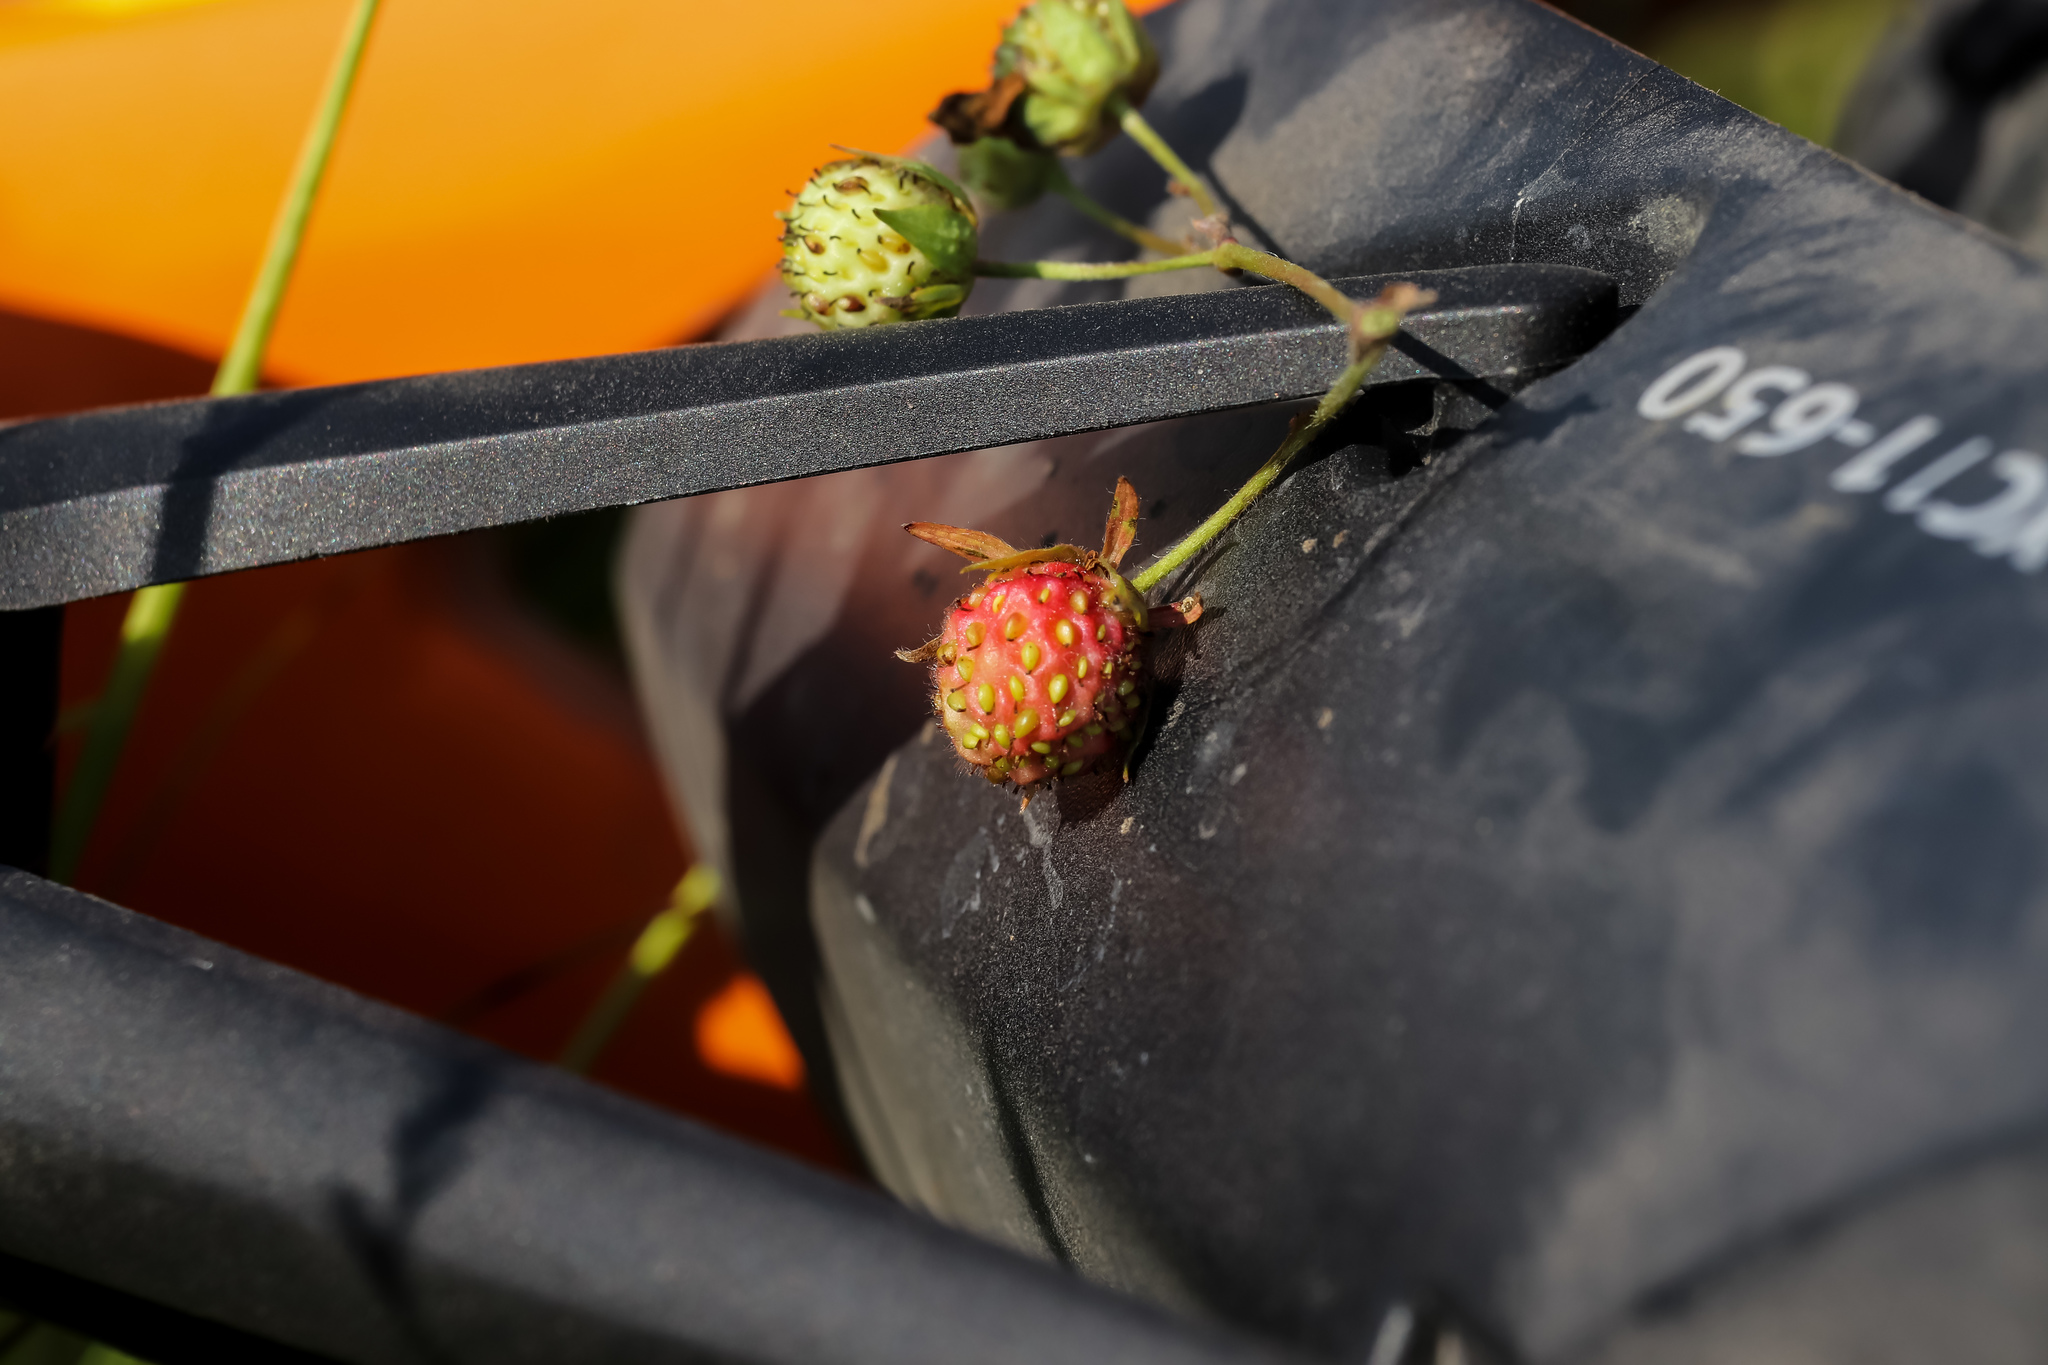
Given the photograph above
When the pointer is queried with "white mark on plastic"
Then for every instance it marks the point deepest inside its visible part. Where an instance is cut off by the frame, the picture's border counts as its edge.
(1869, 471)
(1994, 526)
(1908, 496)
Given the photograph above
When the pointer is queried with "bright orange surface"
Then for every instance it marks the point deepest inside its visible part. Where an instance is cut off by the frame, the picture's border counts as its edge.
(517, 179)
(374, 768)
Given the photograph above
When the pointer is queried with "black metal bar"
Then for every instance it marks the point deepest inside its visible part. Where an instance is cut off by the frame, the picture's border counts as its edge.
(105, 501)
(247, 1146)
(148, 1331)
(30, 644)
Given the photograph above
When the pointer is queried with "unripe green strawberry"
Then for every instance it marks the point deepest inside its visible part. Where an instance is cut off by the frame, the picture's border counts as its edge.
(1004, 175)
(878, 239)
(1073, 56)
(1039, 672)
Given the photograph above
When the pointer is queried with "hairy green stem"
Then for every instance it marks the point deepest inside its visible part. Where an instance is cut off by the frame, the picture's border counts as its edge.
(1383, 322)
(1089, 270)
(658, 946)
(1229, 256)
(1117, 223)
(1232, 256)
(1146, 136)
(152, 610)
(149, 618)
(242, 368)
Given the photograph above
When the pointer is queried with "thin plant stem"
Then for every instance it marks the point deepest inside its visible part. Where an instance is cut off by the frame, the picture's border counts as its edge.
(652, 953)
(148, 621)
(1089, 270)
(242, 368)
(1146, 136)
(1229, 256)
(1232, 256)
(152, 610)
(1115, 222)
(1379, 321)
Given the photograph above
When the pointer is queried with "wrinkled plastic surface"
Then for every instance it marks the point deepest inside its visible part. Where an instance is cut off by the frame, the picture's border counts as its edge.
(1560, 866)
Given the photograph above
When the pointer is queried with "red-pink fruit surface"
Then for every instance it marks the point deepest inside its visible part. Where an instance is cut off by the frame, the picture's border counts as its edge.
(1038, 674)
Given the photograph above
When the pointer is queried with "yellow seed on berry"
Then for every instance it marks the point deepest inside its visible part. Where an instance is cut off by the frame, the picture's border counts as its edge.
(970, 740)
(874, 260)
(1045, 594)
(1028, 656)
(978, 731)
(1102, 630)
(1076, 741)
(1066, 718)
(1016, 688)
(1014, 627)
(973, 634)
(1081, 667)
(965, 668)
(1040, 747)
(1002, 736)
(1126, 687)
(1064, 632)
(1078, 601)
(1057, 688)
(948, 652)
(957, 700)
(985, 698)
(1027, 721)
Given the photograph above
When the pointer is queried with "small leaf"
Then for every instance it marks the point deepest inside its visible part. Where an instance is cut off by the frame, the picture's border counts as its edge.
(936, 300)
(944, 234)
(1122, 530)
(975, 545)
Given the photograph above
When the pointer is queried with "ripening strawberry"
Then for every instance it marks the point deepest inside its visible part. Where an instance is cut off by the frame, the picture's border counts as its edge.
(1040, 672)
(878, 239)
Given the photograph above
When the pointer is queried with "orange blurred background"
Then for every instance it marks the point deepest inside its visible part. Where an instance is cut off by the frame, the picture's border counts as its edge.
(401, 770)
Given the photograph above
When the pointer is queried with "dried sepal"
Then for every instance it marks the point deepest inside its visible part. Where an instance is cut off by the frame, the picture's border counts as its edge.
(1121, 532)
(1017, 559)
(974, 545)
(969, 115)
(924, 653)
(1185, 612)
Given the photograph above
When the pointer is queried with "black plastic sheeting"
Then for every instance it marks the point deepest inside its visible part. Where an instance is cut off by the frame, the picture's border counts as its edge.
(1573, 857)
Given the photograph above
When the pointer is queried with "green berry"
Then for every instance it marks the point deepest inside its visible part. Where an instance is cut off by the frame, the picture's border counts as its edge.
(1074, 55)
(1004, 175)
(878, 239)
